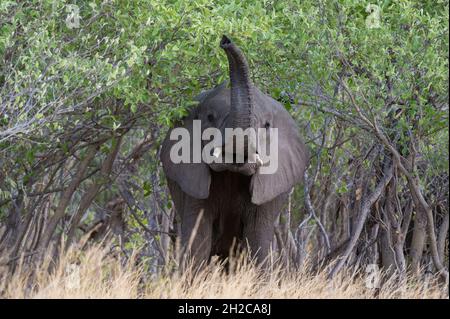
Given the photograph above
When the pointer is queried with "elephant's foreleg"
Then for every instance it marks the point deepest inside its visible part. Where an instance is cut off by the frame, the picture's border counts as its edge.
(196, 231)
(258, 230)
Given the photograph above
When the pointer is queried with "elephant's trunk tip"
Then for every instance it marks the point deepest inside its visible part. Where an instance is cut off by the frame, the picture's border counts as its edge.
(225, 42)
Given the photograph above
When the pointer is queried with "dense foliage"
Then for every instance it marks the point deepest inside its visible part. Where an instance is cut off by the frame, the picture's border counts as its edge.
(88, 90)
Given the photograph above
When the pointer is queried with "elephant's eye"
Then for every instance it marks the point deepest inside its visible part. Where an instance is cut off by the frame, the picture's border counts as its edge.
(267, 125)
(210, 117)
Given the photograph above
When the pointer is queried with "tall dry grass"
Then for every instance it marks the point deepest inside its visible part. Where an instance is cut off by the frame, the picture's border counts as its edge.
(95, 273)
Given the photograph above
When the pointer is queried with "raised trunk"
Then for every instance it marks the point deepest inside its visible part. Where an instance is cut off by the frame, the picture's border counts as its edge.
(241, 87)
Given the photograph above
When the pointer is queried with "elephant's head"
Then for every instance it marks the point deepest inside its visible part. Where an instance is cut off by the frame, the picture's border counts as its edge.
(242, 106)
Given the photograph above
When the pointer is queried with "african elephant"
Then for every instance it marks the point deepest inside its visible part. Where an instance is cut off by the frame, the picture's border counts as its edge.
(223, 204)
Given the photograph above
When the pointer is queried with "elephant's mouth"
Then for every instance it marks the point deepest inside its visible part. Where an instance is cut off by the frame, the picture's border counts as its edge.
(245, 167)
(241, 168)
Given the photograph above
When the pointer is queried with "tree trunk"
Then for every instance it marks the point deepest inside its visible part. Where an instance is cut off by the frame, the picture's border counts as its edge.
(93, 190)
(418, 239)
(66, 198)
(443, 234)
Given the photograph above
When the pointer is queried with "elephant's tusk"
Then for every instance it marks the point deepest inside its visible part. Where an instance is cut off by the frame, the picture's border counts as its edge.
(258, 160)
(217, 152)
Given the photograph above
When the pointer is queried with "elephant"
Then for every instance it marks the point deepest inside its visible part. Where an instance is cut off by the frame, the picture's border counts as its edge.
(223, 205)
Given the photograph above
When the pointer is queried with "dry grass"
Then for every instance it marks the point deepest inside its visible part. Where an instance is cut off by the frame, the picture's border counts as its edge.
(96, 274)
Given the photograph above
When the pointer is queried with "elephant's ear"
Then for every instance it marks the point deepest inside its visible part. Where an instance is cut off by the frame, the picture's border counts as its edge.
(293, 159)
(193, 178)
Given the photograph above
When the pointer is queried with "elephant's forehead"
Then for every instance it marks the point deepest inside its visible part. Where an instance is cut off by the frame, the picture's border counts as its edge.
(265, 106)
(264, 103)
(219, 101)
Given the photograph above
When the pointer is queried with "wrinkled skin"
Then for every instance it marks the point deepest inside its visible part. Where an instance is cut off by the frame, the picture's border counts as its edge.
(220, 205)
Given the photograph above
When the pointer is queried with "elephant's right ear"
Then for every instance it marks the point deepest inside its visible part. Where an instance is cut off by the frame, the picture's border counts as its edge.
(193, 178)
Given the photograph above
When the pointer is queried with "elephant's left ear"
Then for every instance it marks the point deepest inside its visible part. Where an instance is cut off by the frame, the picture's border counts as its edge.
(193, 178)
(293, 159)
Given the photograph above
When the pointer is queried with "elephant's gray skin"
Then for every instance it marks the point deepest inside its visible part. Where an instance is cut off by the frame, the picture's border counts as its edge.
(220, 204)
